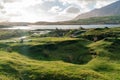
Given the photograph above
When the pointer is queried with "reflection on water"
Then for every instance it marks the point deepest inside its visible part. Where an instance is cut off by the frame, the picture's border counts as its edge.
(33, 27)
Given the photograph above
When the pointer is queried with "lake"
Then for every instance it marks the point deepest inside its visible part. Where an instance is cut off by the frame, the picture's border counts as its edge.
(34, 27)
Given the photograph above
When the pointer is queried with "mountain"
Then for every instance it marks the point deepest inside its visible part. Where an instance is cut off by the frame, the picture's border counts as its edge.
(14, 24)
(86, 21)
(109, 14)
(110, 10)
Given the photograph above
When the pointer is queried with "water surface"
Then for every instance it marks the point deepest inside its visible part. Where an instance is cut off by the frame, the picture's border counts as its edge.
(33, 27)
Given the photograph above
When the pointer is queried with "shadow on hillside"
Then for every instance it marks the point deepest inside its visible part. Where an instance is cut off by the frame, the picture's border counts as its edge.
(5, 47)
(114, 49)
(69, 51)
(6, 68)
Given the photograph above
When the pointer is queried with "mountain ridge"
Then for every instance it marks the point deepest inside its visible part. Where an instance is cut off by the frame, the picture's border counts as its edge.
(109, 10)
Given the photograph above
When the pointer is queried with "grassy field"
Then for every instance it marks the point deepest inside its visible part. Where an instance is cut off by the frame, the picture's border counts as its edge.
(61, 58)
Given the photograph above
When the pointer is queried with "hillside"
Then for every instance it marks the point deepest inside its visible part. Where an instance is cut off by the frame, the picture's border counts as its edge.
(6, 24)
(62, 58)
(92, 20)
(109, 10)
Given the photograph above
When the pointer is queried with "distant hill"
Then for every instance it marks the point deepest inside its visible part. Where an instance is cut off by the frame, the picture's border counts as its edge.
(110, 10)
(98, 20)
(92, 20)
(4, 24)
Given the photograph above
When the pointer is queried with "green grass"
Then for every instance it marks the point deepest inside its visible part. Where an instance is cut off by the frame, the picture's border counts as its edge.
(97, 20)
(17, 66)
(106, 62)
(62, 58)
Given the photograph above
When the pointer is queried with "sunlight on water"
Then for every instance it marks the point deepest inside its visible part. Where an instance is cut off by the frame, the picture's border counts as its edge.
(33, 27)
(19, 27)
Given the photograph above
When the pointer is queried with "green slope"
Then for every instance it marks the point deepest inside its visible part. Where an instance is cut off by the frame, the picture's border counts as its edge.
(100, 20)
(64, 58)
(94, 20)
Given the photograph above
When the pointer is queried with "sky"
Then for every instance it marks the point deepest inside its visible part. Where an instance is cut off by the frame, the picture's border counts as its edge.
(46, 10)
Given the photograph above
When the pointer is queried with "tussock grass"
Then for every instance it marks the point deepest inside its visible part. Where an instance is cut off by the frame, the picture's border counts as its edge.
(53, 58)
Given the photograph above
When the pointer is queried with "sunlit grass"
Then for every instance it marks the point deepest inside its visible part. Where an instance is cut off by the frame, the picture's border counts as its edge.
(61, 61)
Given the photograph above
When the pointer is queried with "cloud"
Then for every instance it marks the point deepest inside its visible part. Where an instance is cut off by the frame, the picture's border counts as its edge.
(72, 9)
(1, 6)
(67, 14)
(46, 10)
(55, 9)
(88, 3)
(50, 0)
(102, 3)
(10, 1)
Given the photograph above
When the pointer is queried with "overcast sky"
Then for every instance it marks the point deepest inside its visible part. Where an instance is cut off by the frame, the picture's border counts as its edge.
(46, 10)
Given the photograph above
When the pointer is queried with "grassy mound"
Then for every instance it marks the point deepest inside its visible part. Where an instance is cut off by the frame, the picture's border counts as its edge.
(73, 51)
(101, 33)
(14, 66)
(54, 58)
